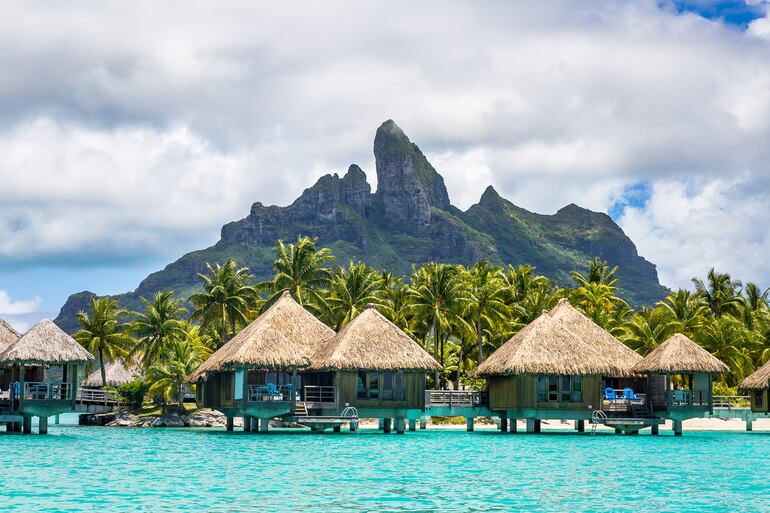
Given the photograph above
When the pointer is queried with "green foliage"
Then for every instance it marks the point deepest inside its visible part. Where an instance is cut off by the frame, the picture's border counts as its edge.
(133, 393)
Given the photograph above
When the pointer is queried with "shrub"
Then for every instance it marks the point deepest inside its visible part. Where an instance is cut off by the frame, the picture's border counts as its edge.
(133, 392)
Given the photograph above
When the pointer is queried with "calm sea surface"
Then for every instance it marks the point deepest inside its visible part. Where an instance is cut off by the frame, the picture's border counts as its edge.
(90, 468)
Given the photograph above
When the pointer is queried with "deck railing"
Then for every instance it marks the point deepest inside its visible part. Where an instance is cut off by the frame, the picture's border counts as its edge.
(320, 394)
(732, 401)
(97, 395)
(688, 398)
(47, 391)
(455, 398)
(262, 393)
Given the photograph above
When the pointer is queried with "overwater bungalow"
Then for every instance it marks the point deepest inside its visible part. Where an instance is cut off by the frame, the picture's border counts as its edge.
(27, 361)
(116, 373)
(757, 384)
(560, 367)
(254, 375)
(680, 379)
(373, 366)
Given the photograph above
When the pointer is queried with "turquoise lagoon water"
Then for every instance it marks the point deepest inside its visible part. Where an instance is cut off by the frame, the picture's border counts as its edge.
(111, 469)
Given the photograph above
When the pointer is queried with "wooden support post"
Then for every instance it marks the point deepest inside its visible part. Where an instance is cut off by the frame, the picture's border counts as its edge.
(400, 425)
(353, 426)
(56, 420)
(655, 429)
(423, 422)
(15, 427)
(336, 429)
(264, 425)
(229, 424)
(412, 424)
(580, 426)
(749, 423)
(469, 423)
(530, 425)
(386, 425)
(42, 426)
(254, 424)
(503, 424)
(512, 426)
(246, 423)
(27, 424)
(381, 424)
(537, 425)
(677, 428)
(618, 431)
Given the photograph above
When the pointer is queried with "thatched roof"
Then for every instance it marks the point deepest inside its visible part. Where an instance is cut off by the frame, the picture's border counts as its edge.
(758, 380)
(8, 335)
(116, 373)
(372, 342)
(45, 344)
(283, 337)
(587, 330)
(680, 354)
(563, 341)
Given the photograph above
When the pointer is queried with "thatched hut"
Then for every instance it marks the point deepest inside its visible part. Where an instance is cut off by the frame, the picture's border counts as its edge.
(8, 336)
(684, 373)
(116, 373)
(373, 365)
(42, 347)
(254, 373)
(758, 384)
(555, 368)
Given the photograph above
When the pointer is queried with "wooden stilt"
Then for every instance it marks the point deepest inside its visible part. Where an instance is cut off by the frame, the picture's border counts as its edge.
(27, 424)
(469, 423)
(42, 426)
(353, 426)
(655, 429)
(56, 420)
(246, 423)
(537, 425)
(229, 424)
(677, 428)
(400, 425)
(580, 426)
(530, 425)
(381, 424)
(337, 429)
(412, 424)
(512, 426)
(254, 424)
(749, 424)
(618, 431)
(264, 425)
(503, 424)
(423, 422)
(386, 425)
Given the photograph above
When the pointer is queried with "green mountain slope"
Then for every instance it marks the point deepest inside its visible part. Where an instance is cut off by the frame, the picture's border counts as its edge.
(408, 220)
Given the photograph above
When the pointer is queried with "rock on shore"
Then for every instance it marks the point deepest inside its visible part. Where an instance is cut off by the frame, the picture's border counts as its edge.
(201, 418)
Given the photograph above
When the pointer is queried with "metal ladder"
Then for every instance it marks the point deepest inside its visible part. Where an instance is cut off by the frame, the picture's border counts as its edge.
(596, 417)
(351, 412)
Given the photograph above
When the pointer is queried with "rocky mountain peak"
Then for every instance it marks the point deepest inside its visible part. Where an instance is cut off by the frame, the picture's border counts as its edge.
(407, 185)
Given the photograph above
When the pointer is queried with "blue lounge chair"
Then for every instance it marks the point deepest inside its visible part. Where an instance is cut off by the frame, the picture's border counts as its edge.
(273, 390)
(609, 393)
(628, 394)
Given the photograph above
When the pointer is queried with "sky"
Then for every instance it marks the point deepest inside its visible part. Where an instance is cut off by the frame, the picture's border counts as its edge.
(131, 132)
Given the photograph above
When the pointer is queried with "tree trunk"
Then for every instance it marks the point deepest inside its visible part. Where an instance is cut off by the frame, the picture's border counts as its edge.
(435, 352)
(443, 341)
(459, 365)
(104, 371)
(480, 339)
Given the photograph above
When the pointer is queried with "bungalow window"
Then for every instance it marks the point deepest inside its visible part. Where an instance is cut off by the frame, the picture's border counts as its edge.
(361, 385)
(542, 387)
(759, 398)
(552, 388)
(387, 386)
(577, 389)
(398, 390)
(566, 389)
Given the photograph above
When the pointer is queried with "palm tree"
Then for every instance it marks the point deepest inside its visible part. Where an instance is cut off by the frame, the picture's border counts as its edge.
(168, 375)
(647, 329)
(225, 301)
(684, 309)
(521, 280)
(394, 300)
(349, 292)
(597, 301)
(485, 306)
(719, 292)
(598, 272)
(437, 298)
(102, 333)
(300, 270)
(158, 326)
(727, 339)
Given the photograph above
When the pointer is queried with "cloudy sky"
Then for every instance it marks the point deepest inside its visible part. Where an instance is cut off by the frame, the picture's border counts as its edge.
(131, 131)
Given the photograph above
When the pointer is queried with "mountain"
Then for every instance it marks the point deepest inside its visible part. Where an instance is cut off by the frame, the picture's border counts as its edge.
(407, 220)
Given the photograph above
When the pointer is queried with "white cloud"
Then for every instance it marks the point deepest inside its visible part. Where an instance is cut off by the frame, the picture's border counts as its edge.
(120, 143)
(9, 306)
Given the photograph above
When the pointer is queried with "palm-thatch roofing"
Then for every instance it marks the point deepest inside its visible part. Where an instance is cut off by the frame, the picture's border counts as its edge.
(679, 354)
(117, 373)
(283, 337)
(587, 330)
(760, 379)
(372, 342)
(45, 344)
(8, 335)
